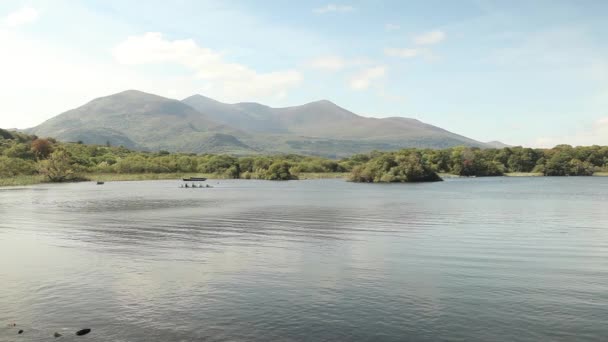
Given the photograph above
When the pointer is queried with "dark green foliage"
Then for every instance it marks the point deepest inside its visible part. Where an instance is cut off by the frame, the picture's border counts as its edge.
(402, 166)
(22, 154)
(4, 134)
(475, 162)
(564, 160)
(11, 167)
(279, 170)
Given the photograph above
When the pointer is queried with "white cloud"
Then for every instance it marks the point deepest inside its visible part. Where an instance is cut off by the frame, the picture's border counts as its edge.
(430, 38)
(76, 78)
(362, 80)
(22, 16)
(58, 78)
(391, 27)
(403, 53)
(332, 63)
(233, 79)
(603, 122)
(336, 63)
(333, 8)
(594, 134)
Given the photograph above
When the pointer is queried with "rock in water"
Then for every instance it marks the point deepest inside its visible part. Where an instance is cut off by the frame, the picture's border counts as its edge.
(20, 332)
(56, 334)
(83, 332)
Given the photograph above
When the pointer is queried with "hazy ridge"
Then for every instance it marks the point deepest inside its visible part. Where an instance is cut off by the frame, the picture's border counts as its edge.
(200, 124)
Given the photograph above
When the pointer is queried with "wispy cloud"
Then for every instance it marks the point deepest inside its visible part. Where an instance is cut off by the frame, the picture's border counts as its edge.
(391, 27)
(333, 8)
(430, 38)
(603, 122)
(403, 53)
(331, 63)
(421, 43)
(206, 64)
(595, 133)
(336, 63)
(22, 16)
(363, 79)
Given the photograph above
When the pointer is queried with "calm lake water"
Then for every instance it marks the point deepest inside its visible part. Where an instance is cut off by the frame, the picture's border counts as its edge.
(486, 259)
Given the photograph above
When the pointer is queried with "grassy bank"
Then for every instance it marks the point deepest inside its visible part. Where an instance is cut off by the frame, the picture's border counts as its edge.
(120, 177)
(523, 174)
(448, 175)
(22, 180)
(519, 174)
(113, 177)
(322, 175)
(102, 177)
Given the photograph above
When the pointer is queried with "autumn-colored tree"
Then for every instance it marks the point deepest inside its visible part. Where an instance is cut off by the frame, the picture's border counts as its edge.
(42, 148)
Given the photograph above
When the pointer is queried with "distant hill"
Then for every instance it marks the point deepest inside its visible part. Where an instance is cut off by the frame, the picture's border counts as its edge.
(252, 117)
(139, 120)
(324, 119)
(200, 124)
(497, 144)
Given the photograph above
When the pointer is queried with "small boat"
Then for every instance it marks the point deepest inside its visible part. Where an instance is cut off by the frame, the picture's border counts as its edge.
(195, 179)
(100, 183)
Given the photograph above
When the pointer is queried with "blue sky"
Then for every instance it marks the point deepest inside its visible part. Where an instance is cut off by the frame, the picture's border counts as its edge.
(531, 73)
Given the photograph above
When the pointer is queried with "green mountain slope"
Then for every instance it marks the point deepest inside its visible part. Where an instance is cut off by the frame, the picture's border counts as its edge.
(199, 124)
(323, 123)
(140, 120)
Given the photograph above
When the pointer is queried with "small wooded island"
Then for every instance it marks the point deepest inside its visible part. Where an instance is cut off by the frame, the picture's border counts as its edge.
(27, 159)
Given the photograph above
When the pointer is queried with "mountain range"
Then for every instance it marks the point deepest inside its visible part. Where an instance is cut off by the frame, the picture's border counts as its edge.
(200, 124)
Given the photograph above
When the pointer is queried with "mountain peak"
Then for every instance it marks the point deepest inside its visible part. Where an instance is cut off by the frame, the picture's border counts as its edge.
(323, 102)
(134, 92)
(130, 95)
(199, 97)
(497, 144)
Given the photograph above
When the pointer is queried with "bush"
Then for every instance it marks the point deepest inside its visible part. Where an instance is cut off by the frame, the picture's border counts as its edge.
(279, 171)
(58, 168)
(11, 167)
(394, 167)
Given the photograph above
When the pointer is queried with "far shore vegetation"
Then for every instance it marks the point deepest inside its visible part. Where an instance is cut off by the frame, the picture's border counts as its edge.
(27, 159)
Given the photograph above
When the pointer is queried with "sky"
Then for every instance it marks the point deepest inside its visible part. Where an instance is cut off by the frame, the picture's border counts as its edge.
(531, 73)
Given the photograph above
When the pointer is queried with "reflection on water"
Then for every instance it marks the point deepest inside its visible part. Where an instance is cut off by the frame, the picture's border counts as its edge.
(496, 259)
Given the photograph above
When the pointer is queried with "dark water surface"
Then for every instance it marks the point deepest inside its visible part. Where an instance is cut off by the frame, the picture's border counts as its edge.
(494, 259)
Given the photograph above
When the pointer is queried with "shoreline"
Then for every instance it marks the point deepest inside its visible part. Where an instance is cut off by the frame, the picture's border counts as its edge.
(125, 177)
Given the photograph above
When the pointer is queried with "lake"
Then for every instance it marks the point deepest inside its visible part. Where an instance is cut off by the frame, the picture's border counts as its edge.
(480, 259)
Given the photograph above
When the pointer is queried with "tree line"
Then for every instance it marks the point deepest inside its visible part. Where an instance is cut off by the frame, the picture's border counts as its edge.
(22, 154)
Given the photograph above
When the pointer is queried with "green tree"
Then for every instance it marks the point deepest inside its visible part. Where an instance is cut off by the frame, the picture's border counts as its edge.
(279, 170)
(58, 168)
(580, 168)
(404, 166)
(10, 167)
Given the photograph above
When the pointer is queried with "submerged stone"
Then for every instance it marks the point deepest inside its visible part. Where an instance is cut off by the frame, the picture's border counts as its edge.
(56, 334)
(83, 332)
(20, 332)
